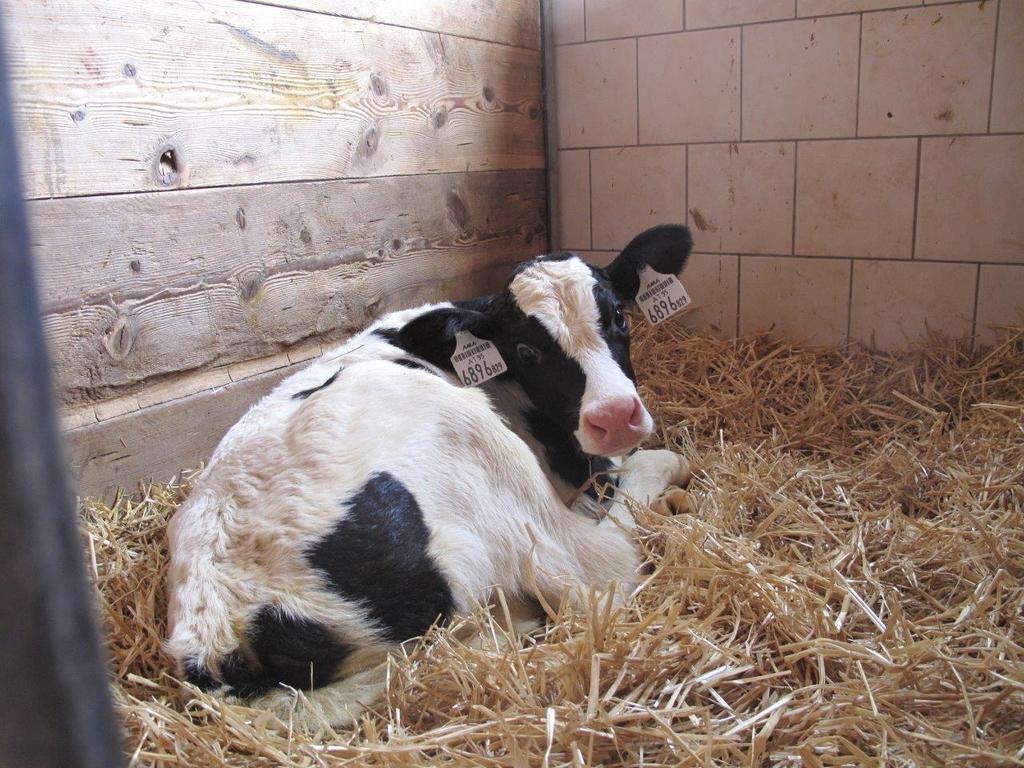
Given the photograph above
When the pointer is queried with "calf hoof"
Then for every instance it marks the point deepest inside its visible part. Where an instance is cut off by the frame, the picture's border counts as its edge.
(674, 502)
(683, 473)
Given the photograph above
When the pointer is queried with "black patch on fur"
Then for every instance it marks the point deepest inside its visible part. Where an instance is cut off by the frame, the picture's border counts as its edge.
(407, 363)
(390, 335)
(565, 457)
(377, 554)
(294, 651)
(617, 339)
(240, 678)
(431, 336)
(307, 392)
(666, 248)
(198, 675)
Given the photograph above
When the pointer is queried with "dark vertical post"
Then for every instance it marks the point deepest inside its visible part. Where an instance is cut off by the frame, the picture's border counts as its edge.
(55, 707)
(547, 47)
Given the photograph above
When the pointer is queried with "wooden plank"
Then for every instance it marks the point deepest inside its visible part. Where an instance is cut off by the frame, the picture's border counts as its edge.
(110, 249)
(179, 281)
(156, 443)
(117, 96)
(514, 22)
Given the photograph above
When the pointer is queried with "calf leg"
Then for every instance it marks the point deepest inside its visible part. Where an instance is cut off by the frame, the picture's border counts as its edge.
(336, 705)
(644, 476)
(582, 555)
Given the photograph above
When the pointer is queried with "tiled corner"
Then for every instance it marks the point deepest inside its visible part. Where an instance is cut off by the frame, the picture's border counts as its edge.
(567, 21)
(741, 197)
(927, 70)
(897, 302)
(1000, 301)
(825, 7)
(971, 199)
(634, 188)
(800, 79)
(596, 93)
(710, 281)
(721, 13)
(623, 18)
(803, 300)
(856, 198)
(1008, 87)
(690, 87)
(574, 198)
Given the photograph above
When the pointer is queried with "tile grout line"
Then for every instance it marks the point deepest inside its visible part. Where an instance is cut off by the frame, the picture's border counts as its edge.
(590, 196)
(974, 316)
(860, 63)
(733, 140)
(686, 187)
(917, 194)
(783, 20)
(817, 257)
(741, 84)
(995, 49)
(585, 38)
(849, 304)
(684, 15)
(796, 161)
(739, 272)
(636, 53)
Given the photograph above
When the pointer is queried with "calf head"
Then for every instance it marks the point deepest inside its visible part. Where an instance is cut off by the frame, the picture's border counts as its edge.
(560, 327)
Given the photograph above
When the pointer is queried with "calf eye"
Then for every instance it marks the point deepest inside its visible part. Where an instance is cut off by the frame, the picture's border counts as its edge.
(527, 355)
(620, 320)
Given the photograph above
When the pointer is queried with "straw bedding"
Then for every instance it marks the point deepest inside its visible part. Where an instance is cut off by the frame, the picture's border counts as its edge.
(841, 586)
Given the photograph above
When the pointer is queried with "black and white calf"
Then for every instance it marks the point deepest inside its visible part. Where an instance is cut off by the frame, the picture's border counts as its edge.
(371, 493)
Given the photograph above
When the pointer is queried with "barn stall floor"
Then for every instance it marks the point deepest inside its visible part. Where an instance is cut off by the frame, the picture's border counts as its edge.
(848, 591)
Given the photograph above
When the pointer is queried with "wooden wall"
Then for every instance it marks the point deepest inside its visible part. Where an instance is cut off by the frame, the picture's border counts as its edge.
(217, 187)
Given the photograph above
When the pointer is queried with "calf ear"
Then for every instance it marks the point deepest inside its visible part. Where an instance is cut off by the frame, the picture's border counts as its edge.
(665, 248)
(431, 336)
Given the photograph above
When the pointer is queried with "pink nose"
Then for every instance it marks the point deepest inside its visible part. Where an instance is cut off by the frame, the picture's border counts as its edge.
(617, 423)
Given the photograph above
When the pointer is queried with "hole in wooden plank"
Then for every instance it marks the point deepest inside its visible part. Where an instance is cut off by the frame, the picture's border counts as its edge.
(167, 167)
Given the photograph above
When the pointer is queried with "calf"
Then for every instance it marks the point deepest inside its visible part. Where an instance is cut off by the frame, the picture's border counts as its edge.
(371, 493)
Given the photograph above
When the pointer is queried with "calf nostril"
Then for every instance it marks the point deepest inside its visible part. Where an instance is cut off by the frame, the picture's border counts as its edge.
(636, 419)
(599, 431)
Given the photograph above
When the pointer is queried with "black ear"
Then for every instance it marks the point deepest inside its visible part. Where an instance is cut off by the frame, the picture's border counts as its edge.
(431, 336)
(665, 248)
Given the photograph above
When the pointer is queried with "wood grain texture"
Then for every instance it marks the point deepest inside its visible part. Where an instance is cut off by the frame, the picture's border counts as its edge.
(115, 96)
(142, 286)
(515, 22)
(156, 443)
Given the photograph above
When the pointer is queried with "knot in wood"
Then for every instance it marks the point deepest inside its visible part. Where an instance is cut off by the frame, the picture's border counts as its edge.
(458, 214)
(369, 142)
(378, 86)
(119, 339)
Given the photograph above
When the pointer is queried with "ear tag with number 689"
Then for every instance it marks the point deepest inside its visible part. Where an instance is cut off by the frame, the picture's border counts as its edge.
(660, 296)
(476, 360)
